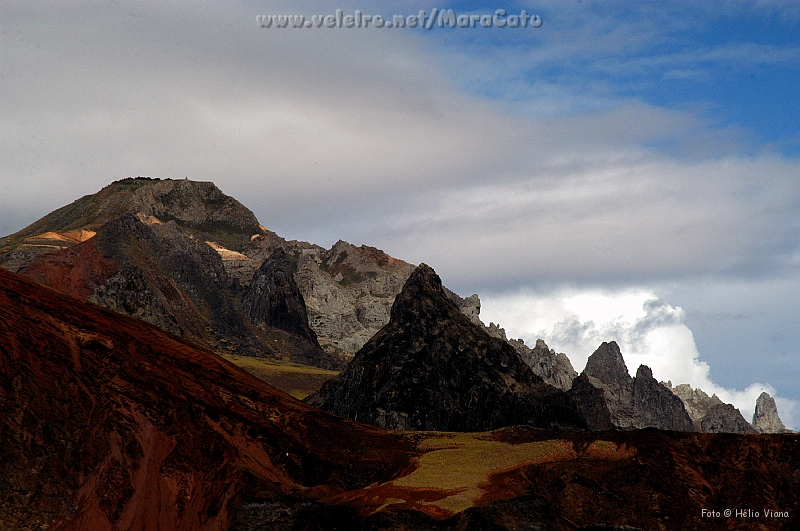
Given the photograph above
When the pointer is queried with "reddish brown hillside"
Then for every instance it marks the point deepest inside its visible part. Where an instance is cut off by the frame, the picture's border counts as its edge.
(109, 423)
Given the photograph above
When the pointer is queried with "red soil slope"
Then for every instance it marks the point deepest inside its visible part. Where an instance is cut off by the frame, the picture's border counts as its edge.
(107, 422)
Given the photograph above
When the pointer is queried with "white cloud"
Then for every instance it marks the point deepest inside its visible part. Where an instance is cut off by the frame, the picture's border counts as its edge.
(648, 331)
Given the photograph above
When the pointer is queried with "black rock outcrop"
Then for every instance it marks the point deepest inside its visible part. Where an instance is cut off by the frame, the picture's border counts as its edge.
(592, 403)
(634, 403)
(273, 298)
(431, 368)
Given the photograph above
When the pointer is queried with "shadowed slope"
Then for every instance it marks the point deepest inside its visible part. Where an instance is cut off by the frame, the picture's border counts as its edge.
(108, 421)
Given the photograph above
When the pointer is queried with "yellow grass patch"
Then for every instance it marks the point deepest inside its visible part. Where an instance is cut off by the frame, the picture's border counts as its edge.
(462, 462)
(294, 378)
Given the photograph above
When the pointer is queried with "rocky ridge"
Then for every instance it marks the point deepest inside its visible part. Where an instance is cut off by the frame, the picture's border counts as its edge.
(725, 418)
(348, 290)
(432, 368)
(710, 414)
(551, 366)
(634, 403)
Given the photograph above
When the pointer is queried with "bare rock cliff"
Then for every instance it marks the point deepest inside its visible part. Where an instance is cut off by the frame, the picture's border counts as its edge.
(709, 413)
(432, 368)
(639, 402)
(765, 417)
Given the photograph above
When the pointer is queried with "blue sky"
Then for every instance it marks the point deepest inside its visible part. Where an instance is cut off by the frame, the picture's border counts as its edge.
(627, 171)
(736, 65)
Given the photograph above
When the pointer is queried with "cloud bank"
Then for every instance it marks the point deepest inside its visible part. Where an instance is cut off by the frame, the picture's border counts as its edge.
(649, 332)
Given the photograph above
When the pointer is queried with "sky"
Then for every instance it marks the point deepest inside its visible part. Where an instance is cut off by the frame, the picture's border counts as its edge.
(626, 171)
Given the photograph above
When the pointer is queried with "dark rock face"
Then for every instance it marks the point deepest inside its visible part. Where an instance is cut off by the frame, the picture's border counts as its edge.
(592, 403)
(273, 298)
(656, 406)
(607, 365)
(639, 402)
(724, 418)
(431, 368)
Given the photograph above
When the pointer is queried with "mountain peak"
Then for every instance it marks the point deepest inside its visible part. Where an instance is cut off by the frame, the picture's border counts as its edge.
(607, 365)
(431, 368)
(194, 205)
(765, 417)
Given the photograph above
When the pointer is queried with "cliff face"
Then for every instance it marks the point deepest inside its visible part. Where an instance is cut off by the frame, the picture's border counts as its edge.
(431, 368)
(348, 290)
(273, 299)
(592, 403)
(765, 416)
(639, 402)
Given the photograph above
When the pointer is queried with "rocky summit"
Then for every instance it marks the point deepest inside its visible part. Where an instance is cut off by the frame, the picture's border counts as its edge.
(432, 368)
(634, 403)
(180, 255)
(765, 416)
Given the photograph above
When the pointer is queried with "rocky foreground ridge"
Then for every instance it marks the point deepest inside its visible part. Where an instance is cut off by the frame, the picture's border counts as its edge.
(432, 368)
(110, 423)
